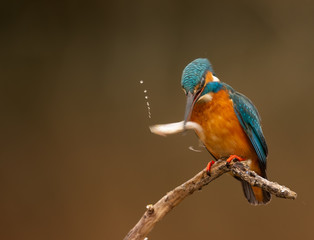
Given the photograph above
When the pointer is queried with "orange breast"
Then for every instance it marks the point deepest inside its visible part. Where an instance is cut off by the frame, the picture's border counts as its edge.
(224, 135)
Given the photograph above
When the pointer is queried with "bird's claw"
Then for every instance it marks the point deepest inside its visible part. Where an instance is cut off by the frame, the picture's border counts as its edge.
(234, 157)
(209, 165)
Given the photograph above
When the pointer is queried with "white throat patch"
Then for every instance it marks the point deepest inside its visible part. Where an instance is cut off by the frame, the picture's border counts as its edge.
(206, 98)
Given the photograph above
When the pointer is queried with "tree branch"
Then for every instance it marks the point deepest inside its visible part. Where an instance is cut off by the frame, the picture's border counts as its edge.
(156, 212)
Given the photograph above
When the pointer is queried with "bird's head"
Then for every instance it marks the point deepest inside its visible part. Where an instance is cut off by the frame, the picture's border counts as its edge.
(196, 75)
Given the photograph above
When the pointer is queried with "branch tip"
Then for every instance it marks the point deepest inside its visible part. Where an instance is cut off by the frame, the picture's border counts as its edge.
(156, 212)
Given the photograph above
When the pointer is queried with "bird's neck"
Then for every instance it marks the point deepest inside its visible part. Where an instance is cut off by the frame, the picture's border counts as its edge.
(212, 87)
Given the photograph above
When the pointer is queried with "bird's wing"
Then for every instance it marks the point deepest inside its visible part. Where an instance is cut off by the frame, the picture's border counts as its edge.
(250, 121)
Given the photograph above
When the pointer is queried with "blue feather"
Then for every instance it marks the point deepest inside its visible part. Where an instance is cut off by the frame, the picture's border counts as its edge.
(250, 121)
(212, 87)
(193, 73)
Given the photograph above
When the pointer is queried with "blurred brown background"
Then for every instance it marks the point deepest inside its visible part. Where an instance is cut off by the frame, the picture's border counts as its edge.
(77, 160)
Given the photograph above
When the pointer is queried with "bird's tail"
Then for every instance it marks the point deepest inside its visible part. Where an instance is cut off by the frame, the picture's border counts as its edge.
(255, 195)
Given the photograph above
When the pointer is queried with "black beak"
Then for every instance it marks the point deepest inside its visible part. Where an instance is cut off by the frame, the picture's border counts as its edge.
(189, 107)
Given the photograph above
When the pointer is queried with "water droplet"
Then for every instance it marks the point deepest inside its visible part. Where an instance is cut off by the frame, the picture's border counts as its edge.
(147, 103)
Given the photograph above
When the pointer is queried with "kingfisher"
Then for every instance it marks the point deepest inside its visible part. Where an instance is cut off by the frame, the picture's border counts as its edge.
(231, 123)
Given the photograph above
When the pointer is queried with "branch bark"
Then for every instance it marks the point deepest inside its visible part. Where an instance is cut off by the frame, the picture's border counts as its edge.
(156, 212)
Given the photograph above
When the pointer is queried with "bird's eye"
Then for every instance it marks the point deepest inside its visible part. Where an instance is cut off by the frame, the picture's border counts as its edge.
(202, 82)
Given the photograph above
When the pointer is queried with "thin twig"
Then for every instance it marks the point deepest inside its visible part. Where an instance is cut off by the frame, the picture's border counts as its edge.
(156, 212)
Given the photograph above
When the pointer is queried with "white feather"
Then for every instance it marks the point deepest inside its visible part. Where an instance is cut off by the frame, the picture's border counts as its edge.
(216, 79)
(206, 98)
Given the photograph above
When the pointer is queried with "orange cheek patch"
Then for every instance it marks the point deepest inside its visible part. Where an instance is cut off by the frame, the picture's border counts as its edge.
(209, 77)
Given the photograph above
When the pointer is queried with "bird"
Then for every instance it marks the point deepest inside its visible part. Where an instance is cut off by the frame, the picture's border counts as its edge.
(231, 123)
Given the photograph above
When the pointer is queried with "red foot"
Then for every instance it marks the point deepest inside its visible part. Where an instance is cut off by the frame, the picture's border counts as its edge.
(234, 157)
(209, 165)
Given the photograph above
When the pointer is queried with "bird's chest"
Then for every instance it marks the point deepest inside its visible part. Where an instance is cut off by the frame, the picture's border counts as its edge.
(223, 133)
